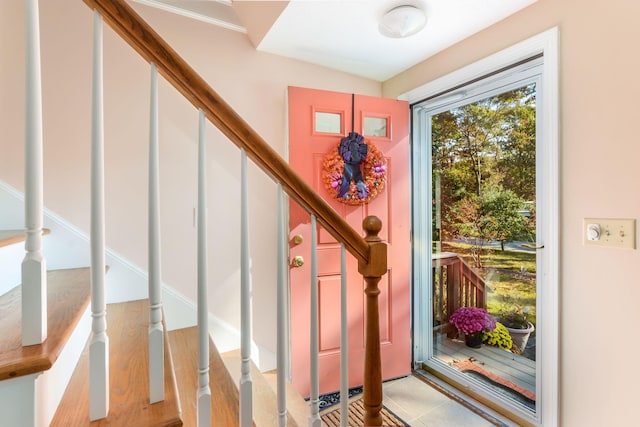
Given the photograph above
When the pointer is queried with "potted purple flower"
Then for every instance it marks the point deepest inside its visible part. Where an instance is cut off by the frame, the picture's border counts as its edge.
(473, 322)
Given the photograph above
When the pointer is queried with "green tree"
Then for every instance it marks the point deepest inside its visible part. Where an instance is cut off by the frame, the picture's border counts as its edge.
(470, 224)
(484, 145)
(496, 215)
(503, 216)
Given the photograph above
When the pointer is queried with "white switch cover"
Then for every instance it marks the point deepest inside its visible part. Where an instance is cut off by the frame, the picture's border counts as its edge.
(619, 233)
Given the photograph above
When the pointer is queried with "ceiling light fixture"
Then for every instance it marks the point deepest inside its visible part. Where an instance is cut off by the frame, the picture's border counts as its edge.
(402, 21)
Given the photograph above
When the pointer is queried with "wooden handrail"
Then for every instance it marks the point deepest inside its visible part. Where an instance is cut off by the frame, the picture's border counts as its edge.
(139, 35)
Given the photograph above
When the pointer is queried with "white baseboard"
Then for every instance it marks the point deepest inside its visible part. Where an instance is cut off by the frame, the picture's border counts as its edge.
(181, 312)
(67, 246)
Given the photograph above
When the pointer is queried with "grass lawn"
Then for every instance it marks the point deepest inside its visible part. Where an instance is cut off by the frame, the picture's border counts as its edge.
(509, 274)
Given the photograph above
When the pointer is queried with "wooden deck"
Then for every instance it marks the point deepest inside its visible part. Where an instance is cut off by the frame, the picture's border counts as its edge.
(503, 368)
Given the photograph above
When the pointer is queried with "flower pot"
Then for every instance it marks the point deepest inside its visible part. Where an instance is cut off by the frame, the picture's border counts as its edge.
(473, 340)
(520, 336)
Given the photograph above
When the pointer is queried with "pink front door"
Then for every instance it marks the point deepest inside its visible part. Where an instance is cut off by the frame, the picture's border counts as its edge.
(317, 122)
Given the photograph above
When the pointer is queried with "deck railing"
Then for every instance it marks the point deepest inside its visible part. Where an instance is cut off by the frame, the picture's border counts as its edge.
(370, 251)
(455, 284)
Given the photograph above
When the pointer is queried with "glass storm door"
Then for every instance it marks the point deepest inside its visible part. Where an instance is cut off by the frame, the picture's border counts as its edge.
(477, 263)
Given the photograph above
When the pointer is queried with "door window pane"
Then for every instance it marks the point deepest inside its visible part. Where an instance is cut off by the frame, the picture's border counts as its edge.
(327, 122)
(375, 126)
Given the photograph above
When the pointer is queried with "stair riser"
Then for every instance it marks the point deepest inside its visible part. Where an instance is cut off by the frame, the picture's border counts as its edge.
(10, 266)
(17, 401)
(38, 395)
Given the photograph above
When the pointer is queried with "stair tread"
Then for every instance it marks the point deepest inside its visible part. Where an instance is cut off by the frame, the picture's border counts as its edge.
(9, 237)
(224, 394)
(297, 407)
(68, 293)
(127, 328)
(265, 404)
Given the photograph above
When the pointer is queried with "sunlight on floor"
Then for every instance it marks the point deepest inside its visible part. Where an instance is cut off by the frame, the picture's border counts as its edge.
(420, 405)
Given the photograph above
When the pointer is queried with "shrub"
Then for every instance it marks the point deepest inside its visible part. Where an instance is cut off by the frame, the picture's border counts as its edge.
(499, 337)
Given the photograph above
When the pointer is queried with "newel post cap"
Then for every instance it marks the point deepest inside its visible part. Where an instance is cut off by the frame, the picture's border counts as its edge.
(377, 265)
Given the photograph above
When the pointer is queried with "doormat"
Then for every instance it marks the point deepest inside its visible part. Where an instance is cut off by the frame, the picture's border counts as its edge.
(526, 397)
(331, 417)
(330, 399)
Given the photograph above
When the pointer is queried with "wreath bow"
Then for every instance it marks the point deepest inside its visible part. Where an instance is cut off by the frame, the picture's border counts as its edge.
(353, 150)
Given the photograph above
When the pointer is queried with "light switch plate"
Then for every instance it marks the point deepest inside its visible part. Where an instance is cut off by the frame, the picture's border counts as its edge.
(618, 232)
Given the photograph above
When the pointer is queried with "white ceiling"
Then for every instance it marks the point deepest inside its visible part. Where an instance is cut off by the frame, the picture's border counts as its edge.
(343, 34)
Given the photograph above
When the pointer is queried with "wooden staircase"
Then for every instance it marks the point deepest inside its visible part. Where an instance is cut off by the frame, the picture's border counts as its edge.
(129, 381)
(68, 294)
(128, 322)
(67, 299)
(10, 237)
(224, 392)
(127, 350)
(128, 369)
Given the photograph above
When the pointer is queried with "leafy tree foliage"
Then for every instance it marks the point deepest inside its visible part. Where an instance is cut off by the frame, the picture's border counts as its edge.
(484, 168)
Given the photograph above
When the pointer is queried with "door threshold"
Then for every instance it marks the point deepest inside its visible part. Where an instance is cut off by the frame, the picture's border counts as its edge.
(465, 400)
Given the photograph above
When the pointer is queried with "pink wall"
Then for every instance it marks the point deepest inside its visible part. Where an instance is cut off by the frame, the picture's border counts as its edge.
(599, 287)
(599, 154)
(253, 83)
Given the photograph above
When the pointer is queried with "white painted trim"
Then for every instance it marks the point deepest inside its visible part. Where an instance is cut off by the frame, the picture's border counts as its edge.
(125, 281)
(546, 43)
(180, 311)
(549, 305)
(51, 385)
(518, 52)
(32, 400)
(17, 401)
(226, 336)
(194, 15)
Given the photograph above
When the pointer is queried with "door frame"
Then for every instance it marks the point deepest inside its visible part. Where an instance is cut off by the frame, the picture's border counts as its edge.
(545, 44)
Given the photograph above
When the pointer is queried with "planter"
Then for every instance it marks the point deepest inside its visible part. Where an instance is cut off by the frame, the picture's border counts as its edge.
(521, 336)
(473, 340)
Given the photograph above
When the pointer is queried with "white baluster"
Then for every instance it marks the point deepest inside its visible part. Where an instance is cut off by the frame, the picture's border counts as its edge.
(99, 345)
(246, 392)
(282, 311)
(314, 417)
(156, 328)
(344, 340)
(204, 392)
(34, 265)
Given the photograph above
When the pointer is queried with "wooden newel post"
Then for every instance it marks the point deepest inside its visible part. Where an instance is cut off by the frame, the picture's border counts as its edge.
(372, 272)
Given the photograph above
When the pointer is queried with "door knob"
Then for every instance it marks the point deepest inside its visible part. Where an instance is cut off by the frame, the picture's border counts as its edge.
(297, 239)
(297, 261)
